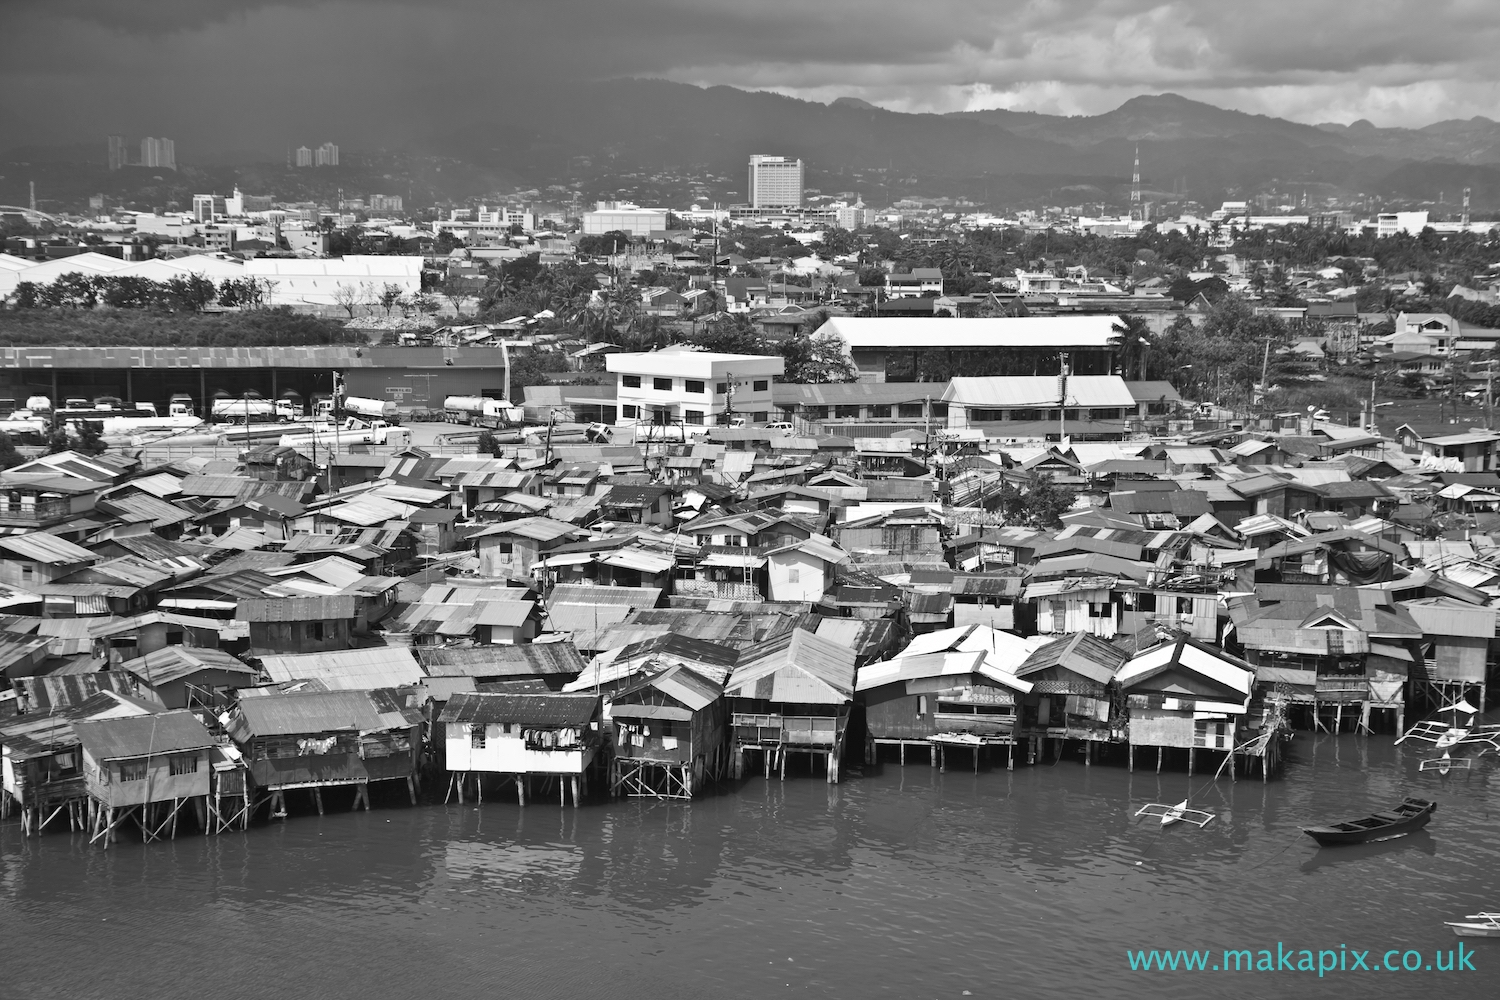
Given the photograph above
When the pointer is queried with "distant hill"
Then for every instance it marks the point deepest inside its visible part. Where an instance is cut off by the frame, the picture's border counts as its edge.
(671, 142)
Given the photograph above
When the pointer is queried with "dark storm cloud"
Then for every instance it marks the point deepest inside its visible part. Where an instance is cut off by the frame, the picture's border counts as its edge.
(262, 73)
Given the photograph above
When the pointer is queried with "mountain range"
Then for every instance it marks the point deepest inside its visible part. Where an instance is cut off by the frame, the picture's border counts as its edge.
(639, 128)
(672, 143)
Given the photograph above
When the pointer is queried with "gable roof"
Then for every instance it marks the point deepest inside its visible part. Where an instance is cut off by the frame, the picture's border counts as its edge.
(798, 667)
(142, 735)
(550, 711)
(322, 712)
(361, 669)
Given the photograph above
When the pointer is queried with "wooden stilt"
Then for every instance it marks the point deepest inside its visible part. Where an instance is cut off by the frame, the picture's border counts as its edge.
(1130, 758)
(411, 788)
(318, 798)
(520, 789)
(1192, 757)
(903, 753)
(1158, 759)
(1010, 757)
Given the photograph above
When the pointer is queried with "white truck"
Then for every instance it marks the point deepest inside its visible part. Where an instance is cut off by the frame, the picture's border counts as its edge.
(372, 409)
(39, 404)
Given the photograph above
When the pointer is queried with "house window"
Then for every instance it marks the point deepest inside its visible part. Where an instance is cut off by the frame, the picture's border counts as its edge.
(794, 574)
(28, 572)
(692, 416)
(1070, 414)
(818, 412)
(1025, 414)
(315, 631)
(761, 385)
(693, 385)
(846, 412)
(505, 548)
(662, 384)
(760, 416)
(909, 410)
(939, 411)
(720, 388)
(630, 381)
(1104, 413)
(133, 770)
(880, 411)
(921, 704)
(183, 763)
(476, 736)
(630, 410)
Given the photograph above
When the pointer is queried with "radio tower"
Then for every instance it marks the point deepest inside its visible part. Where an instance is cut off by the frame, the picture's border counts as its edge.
(1135, 186)
(1465, 218)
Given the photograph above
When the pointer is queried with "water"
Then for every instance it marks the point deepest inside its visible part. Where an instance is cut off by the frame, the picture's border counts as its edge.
(898, 882)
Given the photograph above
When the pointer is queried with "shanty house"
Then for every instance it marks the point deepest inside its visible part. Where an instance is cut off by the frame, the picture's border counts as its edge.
(953, 696)
(802, 570)
(322, 739)
(185, 676)
(131, 765)
(791, 694)
(299, 624)
(522, 735)
(1187, 695)
(669, 734)
(1071, 693)
(511, 548)
(37, 557)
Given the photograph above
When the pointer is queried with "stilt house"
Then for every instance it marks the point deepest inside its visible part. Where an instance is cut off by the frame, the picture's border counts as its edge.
(526, 736)
(668, 734)
(791, 694)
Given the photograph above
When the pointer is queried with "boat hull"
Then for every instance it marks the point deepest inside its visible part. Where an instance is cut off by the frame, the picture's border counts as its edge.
(1409, 817)
(1475, 930)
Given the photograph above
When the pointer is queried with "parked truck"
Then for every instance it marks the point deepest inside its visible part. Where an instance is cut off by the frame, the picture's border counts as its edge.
(181, 405)
(372, 409)
(227, 410)
(463, 409)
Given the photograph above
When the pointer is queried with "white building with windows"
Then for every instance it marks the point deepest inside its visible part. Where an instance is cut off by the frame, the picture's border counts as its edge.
(679, 385)
(622, 216)
(775, 182)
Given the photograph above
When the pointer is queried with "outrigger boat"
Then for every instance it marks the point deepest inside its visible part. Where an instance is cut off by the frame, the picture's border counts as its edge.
(1409, 816)
(1180, 813)
(1476, 925)
(1460, 731)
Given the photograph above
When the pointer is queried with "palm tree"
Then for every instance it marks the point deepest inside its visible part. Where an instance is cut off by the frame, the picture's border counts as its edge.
(1131, 335)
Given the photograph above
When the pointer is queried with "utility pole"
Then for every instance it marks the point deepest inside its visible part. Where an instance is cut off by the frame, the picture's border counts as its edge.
(1062, 401)
(1464, 219)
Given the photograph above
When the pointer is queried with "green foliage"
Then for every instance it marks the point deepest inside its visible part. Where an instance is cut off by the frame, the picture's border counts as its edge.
(533, 368)
(278, 327)
(612, 242)
(1040, 505)
(488, 444)
(9, 457)
(731, 333)
(818, 359)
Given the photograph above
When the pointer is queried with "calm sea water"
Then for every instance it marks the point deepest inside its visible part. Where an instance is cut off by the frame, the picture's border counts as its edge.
(901, 882)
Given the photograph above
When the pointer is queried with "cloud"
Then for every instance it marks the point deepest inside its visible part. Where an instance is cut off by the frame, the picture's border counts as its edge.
(266, 73)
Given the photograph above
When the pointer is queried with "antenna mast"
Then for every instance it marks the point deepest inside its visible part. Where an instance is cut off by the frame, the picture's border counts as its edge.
(1135, 187)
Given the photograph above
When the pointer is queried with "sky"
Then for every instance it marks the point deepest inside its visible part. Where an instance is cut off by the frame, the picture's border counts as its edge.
(265, 74)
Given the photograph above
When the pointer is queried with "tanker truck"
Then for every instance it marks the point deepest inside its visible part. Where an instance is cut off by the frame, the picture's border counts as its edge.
(372, 409)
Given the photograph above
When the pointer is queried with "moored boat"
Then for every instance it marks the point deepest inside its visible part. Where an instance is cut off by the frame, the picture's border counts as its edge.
(1410, 815)
(1477, 925)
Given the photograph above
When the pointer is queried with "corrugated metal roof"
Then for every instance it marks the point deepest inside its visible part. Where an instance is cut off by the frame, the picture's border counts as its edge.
(526, 660)
(144, 507)
(40, 547)
(361, 669)
(798, 667)
(322, 712)
(142, 736)
(297, 609)
(541, 711)
(679, 682)
(172, 663)
(1079, 653)
(57, 692)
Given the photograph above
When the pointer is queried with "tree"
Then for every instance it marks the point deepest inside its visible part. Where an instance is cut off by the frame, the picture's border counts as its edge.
(603, 245)
(1133, 337)
(347, 297)
(190, 293)
(455, 290)
(390, 297)
(730, 334)
(1041, 505)
(9, 457)
(28, 295)
(818, 359)
(488, 444)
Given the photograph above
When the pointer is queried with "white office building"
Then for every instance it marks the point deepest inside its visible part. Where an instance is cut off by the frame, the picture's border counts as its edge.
(775, 182)
(679, 385)
(1391, 223)
(158, 153)
(327, 155)
(610, 216)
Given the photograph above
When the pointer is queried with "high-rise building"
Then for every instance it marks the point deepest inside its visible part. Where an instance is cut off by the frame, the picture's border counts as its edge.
(385, 202)
(304, 156)
(328, 155)
(207, 207)
(158, 153)
(118, 157)
(775, 182)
